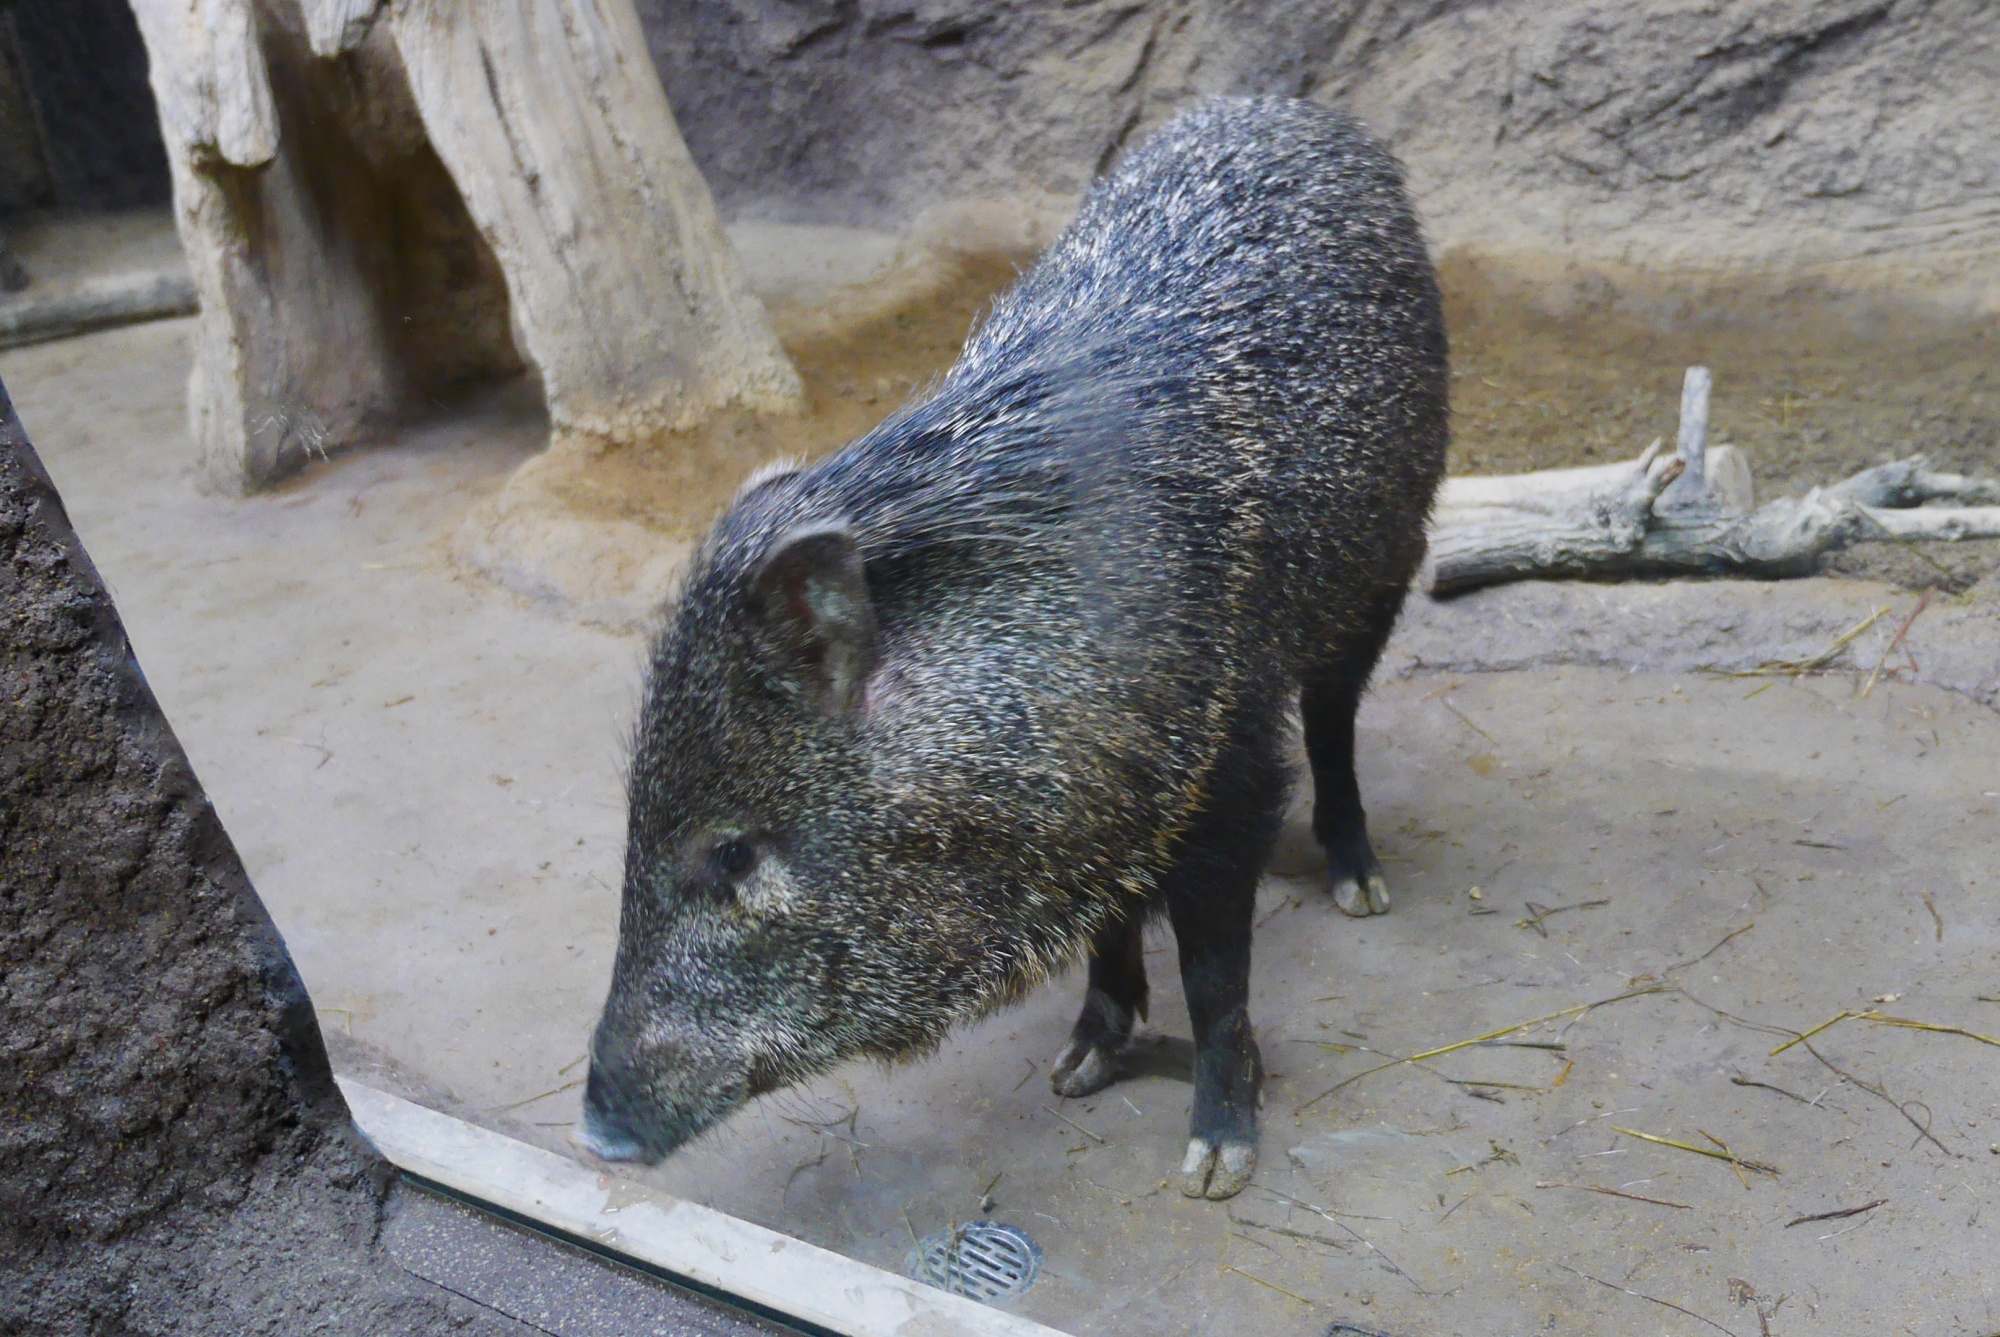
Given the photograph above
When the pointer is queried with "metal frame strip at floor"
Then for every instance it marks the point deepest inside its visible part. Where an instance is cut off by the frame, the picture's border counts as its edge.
(719, 1254)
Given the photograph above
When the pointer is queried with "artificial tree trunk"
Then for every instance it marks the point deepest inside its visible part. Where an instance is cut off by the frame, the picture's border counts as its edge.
(372, 194)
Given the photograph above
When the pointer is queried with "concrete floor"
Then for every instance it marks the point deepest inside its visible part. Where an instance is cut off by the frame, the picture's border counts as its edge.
(89, 271)
(423, 776)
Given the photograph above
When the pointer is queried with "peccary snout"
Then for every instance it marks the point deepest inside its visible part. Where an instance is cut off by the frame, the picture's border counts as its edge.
(638, 1106)
(656, 1081)
(608, 1131)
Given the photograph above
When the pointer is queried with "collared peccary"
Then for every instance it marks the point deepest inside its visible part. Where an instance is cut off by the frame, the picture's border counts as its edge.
(1011, 673)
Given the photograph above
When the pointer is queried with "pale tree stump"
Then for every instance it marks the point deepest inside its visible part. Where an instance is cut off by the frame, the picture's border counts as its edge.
(379, 200)
(1689, 513)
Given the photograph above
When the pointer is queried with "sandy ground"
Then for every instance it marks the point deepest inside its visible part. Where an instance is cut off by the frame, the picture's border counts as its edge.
(423, 775)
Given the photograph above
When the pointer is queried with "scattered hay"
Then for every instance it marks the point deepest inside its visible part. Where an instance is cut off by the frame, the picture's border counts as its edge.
(1504, 1031)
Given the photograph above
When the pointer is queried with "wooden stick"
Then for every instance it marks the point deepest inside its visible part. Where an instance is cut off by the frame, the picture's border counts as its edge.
(1074, 1124)
(1541, 488)
(1695, 384)
(1692, 443)
(1617, 1193)
(1836, 1215)
(1226, 1267)
(1948, 524)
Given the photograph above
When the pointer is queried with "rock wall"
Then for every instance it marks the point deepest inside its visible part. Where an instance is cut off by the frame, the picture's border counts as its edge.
(1821, 137)
(92, 140)
(174, 1156)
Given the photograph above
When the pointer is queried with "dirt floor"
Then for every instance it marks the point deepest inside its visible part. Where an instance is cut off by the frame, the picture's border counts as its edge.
(1812, 394)
(1546, 373)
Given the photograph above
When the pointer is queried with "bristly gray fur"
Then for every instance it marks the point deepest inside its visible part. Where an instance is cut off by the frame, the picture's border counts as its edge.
(1186, 460)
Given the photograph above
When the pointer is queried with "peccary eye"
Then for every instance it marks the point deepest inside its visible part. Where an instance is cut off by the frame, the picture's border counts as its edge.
(734, 857)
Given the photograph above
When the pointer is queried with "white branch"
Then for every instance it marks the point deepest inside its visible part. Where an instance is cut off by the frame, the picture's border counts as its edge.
(1692, 445)
(1908, 483)
(1644, 519)
(1943, 523)
(1545, 490)
(1580, 534)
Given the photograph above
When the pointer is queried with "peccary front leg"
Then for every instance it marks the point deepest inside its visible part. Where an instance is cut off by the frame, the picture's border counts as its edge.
(1328, 707)
(1214, 936)
(1115, 1001)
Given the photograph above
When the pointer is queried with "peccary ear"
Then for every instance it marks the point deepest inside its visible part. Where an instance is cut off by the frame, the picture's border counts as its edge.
(815, 618)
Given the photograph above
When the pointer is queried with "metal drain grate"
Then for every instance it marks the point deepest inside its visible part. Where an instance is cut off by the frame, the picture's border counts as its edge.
(980, 1260)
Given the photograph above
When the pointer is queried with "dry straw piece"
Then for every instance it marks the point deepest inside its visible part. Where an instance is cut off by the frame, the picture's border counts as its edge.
(1723, 1155)
(1907, 1023)
(1819, 663)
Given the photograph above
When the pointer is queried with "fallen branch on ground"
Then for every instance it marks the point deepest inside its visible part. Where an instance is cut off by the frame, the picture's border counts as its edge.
(1688, 513)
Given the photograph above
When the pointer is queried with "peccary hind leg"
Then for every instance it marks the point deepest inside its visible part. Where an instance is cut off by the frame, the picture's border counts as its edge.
(1115, 1001)
(1327, 706)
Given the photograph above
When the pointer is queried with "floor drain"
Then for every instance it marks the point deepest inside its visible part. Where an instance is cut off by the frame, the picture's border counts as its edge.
(980, 1260)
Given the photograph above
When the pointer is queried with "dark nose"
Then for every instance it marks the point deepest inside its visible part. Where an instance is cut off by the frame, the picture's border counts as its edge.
(605, 1132)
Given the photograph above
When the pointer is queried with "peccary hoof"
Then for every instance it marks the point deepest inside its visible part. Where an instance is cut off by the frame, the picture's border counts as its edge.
(1368, 895)
(1083, 1070)
(1217, 1172)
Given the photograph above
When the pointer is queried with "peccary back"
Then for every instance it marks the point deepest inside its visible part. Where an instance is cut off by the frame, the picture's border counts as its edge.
(980, 690)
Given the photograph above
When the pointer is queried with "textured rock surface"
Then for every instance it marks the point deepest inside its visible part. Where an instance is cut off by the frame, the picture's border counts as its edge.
(1805, 132)
(173, 1154)
(1719, 626)
(94, 142)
